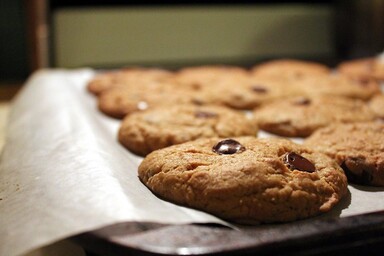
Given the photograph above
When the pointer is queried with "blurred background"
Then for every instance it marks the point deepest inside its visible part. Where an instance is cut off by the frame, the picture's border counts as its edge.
(38, 34)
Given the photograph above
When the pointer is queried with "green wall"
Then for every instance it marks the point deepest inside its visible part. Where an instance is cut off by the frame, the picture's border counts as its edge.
(111, 37)
(190, 35)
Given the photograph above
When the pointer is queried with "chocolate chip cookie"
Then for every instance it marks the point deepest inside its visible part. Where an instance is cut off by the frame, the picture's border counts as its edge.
(119, 101)
(245, 179)
(157, 128)
(127, 77)
(377, 105)
(208, 75)
(290, 68)
(357, 147)
(247, 92)
(338, 85)
(364, 68)
(301, 116)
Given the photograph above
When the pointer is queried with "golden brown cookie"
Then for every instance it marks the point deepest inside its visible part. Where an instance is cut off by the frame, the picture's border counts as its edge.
(119, 101)
(358, 148)
(245, 179)
(377, 105)
(290, 68)
(127, 77)
(208, 75)
(157, 128)
(363, 69)
(248, 92)
(301, 116)
(338, 85)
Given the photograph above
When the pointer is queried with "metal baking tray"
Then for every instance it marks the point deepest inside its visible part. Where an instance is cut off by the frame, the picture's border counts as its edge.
(355, 235)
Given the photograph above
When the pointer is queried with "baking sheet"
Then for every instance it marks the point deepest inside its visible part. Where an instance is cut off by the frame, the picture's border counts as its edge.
(62, 171)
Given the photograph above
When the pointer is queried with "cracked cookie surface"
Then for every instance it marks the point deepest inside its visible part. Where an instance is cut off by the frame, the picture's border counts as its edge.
(246, 179)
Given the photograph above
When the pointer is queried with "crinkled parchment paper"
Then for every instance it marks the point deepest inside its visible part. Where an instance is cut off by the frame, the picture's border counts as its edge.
(62, 171)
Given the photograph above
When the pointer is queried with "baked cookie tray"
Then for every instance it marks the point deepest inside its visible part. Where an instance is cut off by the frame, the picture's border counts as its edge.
(328, 234)
(356, 224)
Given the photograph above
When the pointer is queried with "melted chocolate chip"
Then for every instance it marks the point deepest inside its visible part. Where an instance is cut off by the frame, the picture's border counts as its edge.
(363, 82)
(297, 162)
(357, 171)
(302, 101)
(228, 147)
(197, 102)
(298, 75)
(259, 89)
(203, 114)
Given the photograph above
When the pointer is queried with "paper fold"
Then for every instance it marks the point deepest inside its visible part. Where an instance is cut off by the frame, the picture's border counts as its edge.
(63, 172)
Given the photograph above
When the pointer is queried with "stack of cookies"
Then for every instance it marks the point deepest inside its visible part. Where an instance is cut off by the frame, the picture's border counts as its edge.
(197, 129)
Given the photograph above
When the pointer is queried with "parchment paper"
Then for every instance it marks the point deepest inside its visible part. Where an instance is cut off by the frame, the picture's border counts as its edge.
(62, 171)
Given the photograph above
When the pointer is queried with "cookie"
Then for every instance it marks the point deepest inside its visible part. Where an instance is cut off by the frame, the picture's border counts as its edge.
(290, 68)
(245, 179)
(127, 77)
(357, 147)
(301, 116)
(248, 92)
(338, 85)
(363, 69)
(377, 105)
(208, 75)
(121, 101)
(254, 91)
(156, 128)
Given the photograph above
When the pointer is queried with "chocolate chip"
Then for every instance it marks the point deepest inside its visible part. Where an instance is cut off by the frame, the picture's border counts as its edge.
(362, 81)
(302, 101)
(298, 75)
(228, 147)
(297, 162)
(357, 171)
(198, 102)
(259, 89)
(204, 114)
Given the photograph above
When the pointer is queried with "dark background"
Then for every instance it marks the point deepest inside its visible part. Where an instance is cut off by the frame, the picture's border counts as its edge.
(13, 46)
